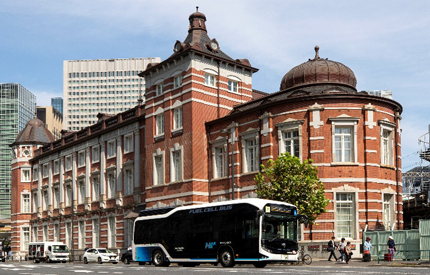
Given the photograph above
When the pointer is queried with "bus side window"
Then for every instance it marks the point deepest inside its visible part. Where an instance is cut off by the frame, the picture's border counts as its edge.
(249, 229)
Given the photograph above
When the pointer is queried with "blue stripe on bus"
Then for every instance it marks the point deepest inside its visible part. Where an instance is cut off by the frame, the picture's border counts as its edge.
(143, 254)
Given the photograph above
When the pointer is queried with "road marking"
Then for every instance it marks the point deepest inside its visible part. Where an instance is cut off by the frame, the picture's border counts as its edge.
(83, 271)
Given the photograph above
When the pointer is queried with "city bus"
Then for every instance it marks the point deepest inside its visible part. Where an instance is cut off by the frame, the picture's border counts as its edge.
(253, 231)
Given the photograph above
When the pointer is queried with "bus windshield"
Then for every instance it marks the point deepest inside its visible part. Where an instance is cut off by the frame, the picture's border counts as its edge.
(282, 227)
(60, 248)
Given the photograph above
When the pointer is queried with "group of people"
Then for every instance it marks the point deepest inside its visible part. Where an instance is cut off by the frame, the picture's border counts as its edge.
(346, 249)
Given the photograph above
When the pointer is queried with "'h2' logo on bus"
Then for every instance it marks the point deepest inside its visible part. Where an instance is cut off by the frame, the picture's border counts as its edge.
(210, 245)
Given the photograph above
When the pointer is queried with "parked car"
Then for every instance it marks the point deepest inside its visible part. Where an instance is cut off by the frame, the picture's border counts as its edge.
(100, 255)
(127, 257)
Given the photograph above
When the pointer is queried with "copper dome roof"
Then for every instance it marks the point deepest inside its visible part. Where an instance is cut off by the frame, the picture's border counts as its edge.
(34, 132)
(318, 71)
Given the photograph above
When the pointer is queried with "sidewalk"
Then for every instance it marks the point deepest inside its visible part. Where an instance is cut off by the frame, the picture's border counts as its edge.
(358, 262)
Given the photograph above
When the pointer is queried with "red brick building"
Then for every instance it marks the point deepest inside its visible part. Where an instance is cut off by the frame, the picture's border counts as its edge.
(201, 137)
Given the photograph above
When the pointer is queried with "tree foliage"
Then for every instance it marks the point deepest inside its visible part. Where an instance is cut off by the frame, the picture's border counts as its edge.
(289, 180)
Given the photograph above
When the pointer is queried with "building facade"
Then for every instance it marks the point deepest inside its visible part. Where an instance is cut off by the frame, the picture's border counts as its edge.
(201, 136)
(57, 103)
(17, 106)
(100, 86)
(52, 118)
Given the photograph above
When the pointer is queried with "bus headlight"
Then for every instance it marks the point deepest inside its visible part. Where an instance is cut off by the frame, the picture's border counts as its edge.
(294, 252)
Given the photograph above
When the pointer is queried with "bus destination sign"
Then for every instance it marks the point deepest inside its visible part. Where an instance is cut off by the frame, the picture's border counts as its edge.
(280, 209)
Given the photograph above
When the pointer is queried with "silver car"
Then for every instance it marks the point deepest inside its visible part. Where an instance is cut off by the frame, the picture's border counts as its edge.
(100, 255)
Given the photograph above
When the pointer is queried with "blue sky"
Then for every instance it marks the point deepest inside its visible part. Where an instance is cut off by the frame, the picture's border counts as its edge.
(385, 43)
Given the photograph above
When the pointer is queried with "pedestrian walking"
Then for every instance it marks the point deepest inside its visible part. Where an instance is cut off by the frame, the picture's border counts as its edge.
(331, 248)
(341, 248)
(348, 252)
(391, 245)
(366, 250)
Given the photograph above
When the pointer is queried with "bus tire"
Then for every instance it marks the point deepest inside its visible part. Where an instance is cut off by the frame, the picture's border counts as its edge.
(260, 264)
(226, 257)
(158, 258)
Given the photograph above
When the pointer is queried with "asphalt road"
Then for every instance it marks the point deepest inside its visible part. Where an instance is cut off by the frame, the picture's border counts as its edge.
(26, 268)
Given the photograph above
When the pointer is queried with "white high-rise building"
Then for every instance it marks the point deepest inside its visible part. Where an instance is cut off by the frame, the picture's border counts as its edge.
(100, 86)
(381, 93)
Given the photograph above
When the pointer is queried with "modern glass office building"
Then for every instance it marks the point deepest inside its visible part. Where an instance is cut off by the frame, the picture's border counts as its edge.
(17, 106)
(57, 103)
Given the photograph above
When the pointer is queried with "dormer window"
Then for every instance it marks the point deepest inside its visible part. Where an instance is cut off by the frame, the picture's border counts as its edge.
(232, 86)
(210, 80)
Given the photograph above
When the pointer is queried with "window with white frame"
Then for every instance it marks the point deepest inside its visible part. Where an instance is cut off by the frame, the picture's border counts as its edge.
(69, 195)
(95, 154)
(81, 186)
(177, 118)
(81, 234)
(56, 167)
(35, 173)
(387, 148)
(291, 142)
(69, 238)
(56, 232)
(25, 237)
(250, 152)
(388, 211)
(177, 82)
(159, 124)
(233, 86)
(210, 79)
(34, 234)
(128, 143)
(81, 158)
(96, 188)
(35, 202)
(111, 232)
(159, 168)
(96, 233)
(111, 185)
(45, 200)
(111, 150)
(45, 170)
(56, 197)
(68, 163)
(220, 161)
(345, 212)
(45, 233)
(25, 175)
(128, 232)
(176, 164)
(128, 181)
(159, 89)
(344, 139)
(25, 203)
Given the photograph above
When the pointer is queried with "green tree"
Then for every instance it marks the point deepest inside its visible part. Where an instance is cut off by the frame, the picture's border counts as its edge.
(289, 180)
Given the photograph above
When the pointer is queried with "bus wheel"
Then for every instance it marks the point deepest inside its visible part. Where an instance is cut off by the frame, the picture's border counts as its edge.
(260, 264)
(226, 258)
(158, 258)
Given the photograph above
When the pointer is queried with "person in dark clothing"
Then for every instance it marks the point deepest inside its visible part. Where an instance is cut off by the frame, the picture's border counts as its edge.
(391, 247)
(331, 248)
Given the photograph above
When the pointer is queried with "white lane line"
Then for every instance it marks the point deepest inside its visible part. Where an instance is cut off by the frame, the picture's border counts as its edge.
(83, 271)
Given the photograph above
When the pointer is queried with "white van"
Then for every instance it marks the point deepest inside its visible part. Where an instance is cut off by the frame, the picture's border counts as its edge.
(48, 251)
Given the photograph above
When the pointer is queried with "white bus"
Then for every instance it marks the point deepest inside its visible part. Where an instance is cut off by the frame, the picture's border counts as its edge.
(252, 231)
(48, 252)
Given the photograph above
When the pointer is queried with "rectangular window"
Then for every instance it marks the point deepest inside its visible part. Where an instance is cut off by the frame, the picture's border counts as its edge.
(56, 167)
(45, 233)
(25, 237)
(81, 158)
(232, 86)
(177, 81)
(34, 232)
(35, 203)
(95, 154)
(220, 164)
(128, 143)
(45, 200)
(69, 239)
(56, 232)
(128, 181)
(111, 152)
(177, 118)
(81, 185)
(111, 232)
(25, 175)
(387, 147)
(251, 156)
(68, 163)
(291, 142)
(176, 165)
(81, 234)
(209, 80)
(159, 125)
(158, 170)
(159, 89)
(96, 233)
(35, 173)
(25, 207)
(128, 232)
(96, 188)
(45, 170)
(56, 197)
(388, 211)
(111, 185)
(68, 195)
(345, 215)
(343, 144)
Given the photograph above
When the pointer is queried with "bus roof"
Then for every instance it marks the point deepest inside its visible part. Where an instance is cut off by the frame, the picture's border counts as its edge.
(163, 212)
